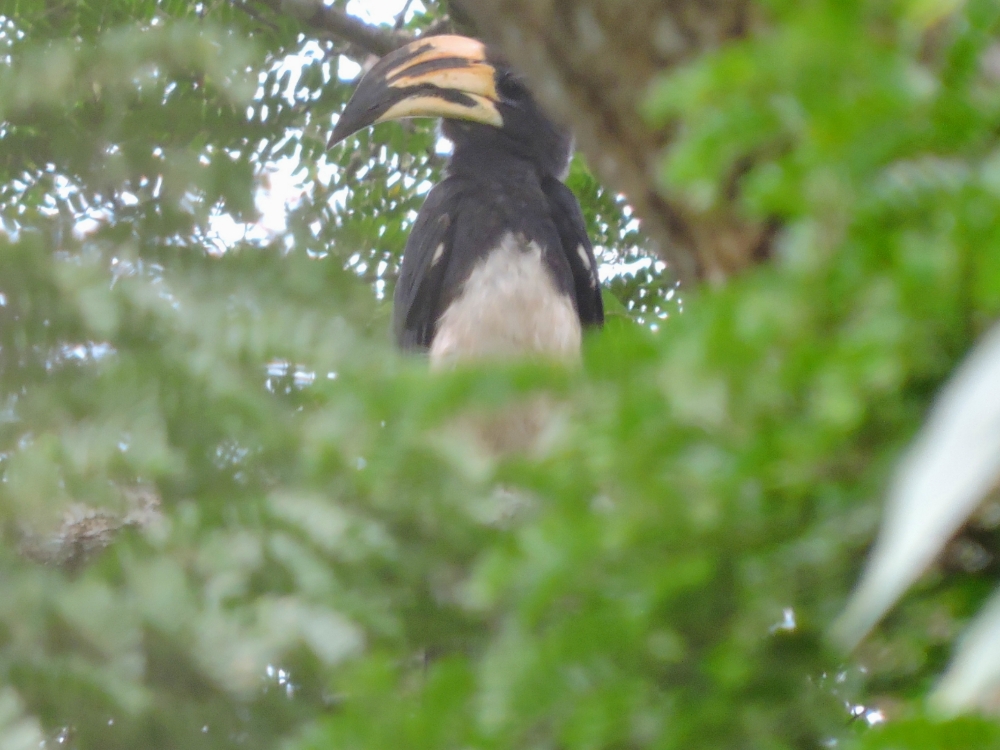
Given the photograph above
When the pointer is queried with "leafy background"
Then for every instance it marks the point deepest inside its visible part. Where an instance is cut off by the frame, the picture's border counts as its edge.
(193, 346)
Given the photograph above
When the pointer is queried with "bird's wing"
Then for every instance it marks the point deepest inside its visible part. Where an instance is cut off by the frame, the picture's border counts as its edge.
(425, 259)
(568, 218)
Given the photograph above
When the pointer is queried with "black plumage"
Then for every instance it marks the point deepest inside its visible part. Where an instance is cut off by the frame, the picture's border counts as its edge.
(502, 193)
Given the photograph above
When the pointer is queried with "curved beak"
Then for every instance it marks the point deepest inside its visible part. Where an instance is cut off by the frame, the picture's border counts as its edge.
(440, 76)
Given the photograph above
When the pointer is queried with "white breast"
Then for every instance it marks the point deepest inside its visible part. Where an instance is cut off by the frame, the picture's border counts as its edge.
(509, 307)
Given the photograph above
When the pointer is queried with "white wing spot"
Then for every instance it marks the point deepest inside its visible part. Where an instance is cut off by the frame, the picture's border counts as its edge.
(582, 252)
(437, 254)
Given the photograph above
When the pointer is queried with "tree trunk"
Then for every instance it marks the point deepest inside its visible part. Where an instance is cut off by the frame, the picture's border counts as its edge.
(591, 64)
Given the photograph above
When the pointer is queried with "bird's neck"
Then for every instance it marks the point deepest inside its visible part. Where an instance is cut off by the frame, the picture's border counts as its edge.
(482, 150)
(492, 161)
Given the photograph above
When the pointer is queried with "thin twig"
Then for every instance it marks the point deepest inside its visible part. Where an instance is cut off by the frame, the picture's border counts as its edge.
(401, 18)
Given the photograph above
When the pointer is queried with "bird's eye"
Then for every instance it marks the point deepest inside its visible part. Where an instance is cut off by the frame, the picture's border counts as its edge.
(510, 87)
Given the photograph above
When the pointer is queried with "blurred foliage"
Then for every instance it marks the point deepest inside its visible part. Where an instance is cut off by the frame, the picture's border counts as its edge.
(335, 566)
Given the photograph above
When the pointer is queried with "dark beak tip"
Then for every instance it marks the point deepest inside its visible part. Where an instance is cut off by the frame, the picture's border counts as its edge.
(339, 134)
(356, 116)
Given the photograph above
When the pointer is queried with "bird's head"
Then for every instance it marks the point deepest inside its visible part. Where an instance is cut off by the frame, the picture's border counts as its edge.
(483, 101)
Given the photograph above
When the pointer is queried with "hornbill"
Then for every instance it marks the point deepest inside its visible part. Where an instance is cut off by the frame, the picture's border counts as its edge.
(498, 262)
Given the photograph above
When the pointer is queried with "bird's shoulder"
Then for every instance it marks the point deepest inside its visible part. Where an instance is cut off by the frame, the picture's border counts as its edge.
(421, 273)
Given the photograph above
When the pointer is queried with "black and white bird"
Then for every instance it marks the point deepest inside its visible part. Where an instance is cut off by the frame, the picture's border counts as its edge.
(498, 263)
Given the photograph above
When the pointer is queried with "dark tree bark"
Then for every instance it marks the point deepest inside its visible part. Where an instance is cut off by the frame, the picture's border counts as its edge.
(591, 63)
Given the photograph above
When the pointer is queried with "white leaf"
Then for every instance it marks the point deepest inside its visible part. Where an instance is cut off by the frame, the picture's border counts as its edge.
(952, 465)
(973, 677)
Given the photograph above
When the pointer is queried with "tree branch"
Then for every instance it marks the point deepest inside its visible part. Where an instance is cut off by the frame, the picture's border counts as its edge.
(326, 19)
(376, 40)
